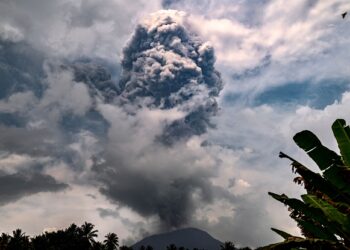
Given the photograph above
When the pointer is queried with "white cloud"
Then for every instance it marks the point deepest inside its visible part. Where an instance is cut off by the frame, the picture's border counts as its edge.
(296, 42)
(60, 210)
(10, 33)
(74, 28)
(64, 95)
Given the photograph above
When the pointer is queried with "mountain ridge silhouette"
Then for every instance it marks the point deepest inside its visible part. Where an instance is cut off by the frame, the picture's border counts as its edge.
(186, 237)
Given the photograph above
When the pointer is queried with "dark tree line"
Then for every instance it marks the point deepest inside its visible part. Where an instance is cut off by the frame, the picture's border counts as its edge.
(73, 237)
(77, 238)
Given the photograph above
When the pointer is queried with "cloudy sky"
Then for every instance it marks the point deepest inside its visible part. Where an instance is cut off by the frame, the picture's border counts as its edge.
(146, 116)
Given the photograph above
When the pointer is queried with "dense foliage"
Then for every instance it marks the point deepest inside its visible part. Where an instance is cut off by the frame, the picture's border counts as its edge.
(323, 213)
(74, 237)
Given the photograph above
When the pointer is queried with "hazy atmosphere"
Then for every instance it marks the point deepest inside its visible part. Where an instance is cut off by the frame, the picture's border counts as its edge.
(147, 116)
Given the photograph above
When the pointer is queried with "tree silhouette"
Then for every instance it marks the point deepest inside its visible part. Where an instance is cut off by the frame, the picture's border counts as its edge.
(40, 242)
(228, 245)
(18, 240)
(71, 238)
(4, 240)
(111, 241)
(97, 246)
(88, 233)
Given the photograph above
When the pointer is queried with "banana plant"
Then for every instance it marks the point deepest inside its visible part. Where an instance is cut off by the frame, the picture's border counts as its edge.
(323, 213)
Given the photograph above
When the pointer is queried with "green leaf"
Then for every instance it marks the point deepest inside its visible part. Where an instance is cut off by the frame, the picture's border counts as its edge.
(314, 182)
(323, 156)
(334, 183)
(329, 211)
(323, 214)
(306, 140)
(312, 213)
(339, 177)
(317, 231)
(281, 233)
(342, 135)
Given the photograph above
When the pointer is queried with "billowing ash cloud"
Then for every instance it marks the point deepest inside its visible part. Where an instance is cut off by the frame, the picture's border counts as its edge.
(81, 124)
(170, 199)
(97, 77)
(166, 65)
(166, 93)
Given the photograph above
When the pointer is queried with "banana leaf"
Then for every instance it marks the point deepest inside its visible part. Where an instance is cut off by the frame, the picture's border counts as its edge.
(312, 213)
(314, 182)
(323, 156)
(317, 231)
(329, 211)
(281, 233)
(339, 176)
(342, 135)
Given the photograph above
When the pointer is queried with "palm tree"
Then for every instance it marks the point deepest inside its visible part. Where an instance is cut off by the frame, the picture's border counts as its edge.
(18, 240)
(72, 229)
(4, 240)
(111, 241)
(88, 233)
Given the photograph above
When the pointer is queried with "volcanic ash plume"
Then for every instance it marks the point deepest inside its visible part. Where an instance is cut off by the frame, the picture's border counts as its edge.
(166, 65)
(166, 94)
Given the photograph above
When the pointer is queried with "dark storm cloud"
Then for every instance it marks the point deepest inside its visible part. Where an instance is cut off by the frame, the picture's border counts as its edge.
(16, 186)
(165, 65)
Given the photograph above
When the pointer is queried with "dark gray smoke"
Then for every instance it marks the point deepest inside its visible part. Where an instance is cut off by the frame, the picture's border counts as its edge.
(97, 77)
(170, 200)
(72, 112)
(165, 65)
(167, 70)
